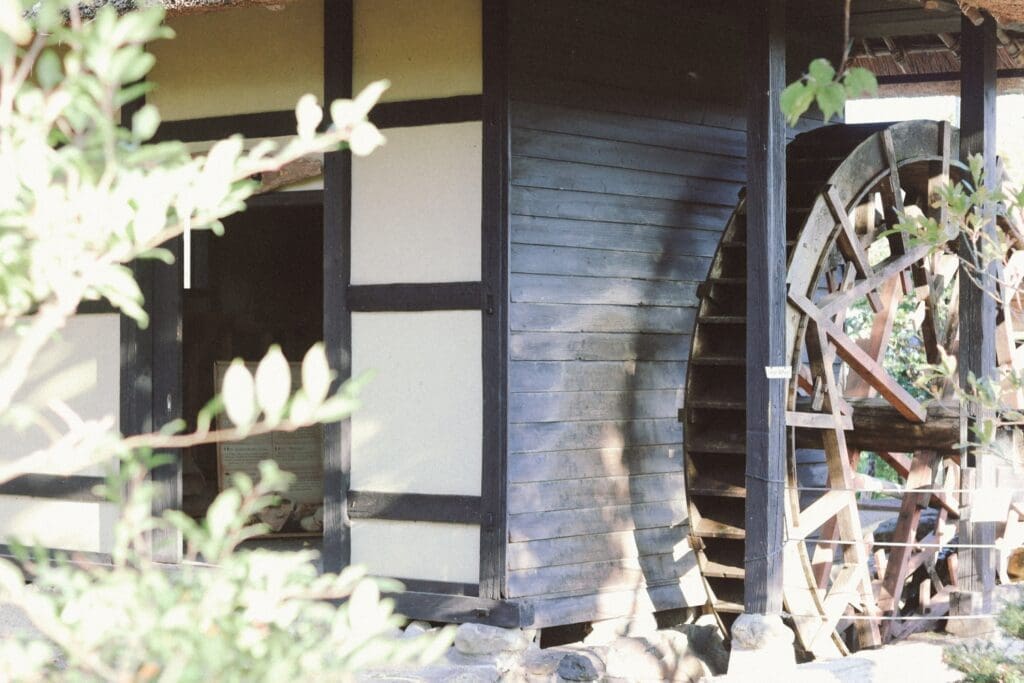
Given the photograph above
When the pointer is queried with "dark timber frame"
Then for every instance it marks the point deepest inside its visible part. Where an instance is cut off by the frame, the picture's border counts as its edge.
(766, 297)
(977, 309)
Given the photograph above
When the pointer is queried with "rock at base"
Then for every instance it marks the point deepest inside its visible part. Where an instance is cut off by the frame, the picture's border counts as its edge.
(576, 667)
(478, 639)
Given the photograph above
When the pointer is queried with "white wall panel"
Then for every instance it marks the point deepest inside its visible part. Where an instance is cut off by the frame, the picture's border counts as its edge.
(416, 207)
(419, 429)
(418, 550)
(82, 368)
(241, 61)
(426, 48)
(69, 525)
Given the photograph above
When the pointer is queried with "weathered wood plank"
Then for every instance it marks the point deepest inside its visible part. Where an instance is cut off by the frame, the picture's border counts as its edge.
(582, 149)
(581, 177)
(557, 289)
(676, 135)
(574, 550)
(650, 239)
(586, 262)
(600, 318)
(688, 591)
(563, 523)
(558, 436)
(592, 206)
(594, 375)
(570, 346)
(594, 405)
(601, 575)
(595, 462)
(588, 493)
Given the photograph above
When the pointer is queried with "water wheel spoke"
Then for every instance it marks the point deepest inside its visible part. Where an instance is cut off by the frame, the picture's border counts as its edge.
(840, 477)
(891, 267)
(850, 246)
(878, 341)
(892, 205)
(868, 368)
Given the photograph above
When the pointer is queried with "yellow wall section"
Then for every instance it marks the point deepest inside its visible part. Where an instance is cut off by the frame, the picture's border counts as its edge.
(426, 48)
(240, 61)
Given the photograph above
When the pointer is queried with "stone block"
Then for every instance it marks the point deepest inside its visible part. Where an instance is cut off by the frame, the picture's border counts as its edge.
(762, 649)
(479, 639)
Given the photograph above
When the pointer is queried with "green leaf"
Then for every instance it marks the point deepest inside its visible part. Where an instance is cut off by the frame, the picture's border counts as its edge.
(48, 69)
(239, 393)
(831, 100)
(796, 99)
(145, 122)
(316, 374)
(308, 115)
(821, 71)
(273, 384)
(859, 81)
(222, 513)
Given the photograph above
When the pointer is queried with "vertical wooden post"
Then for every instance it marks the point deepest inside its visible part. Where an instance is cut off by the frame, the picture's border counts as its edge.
(977, 309)
(766, 308)
(495, 240)
(337, 319)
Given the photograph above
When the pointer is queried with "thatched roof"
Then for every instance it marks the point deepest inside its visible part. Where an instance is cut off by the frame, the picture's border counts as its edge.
(179, 7)
(1006, 12)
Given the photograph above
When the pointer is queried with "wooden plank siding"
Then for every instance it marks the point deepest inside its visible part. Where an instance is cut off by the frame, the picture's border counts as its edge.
(621, 183)
(628, 152)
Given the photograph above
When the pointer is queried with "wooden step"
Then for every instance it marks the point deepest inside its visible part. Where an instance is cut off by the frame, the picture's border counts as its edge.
(728, 607)
(717, 443)
(717, 570)
(722, 319)
(701, 486)
(718, 404)
(715, 360)
(709, 528)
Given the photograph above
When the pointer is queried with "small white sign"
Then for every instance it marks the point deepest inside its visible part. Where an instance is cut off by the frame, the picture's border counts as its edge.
(778, 371)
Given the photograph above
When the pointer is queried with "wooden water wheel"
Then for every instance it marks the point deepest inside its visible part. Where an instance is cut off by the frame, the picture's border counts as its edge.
(846, 186)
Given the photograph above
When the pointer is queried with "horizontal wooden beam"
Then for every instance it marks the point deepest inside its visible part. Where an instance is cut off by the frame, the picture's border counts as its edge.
(443, 587)
(947, 77)
(458, 609)
(72, 487)
(442, 296)
(428, 112)
(293, 198)
(265, 124)
(877, 426)
(269, 124)
(414, 507)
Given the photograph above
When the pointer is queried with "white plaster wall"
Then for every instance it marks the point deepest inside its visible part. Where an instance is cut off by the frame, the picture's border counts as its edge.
(426, 48)
(241, 61)
(81, 368)
(418, 550)
(420, 428)
(416, 206)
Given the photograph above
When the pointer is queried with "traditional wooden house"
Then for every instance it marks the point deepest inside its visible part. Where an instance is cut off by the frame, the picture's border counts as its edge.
(532, 264)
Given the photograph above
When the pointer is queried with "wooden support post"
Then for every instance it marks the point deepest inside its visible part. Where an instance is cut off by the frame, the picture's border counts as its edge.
(337, 318)
(977, 309)
(766, 309)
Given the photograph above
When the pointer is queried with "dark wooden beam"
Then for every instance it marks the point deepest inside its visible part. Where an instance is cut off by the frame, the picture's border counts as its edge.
(494, 228)
(458, 609)
(428, 112)
(949, 77)
(977, 309)
(337, 320)
(71, 487)
(264, 124)
(471, 590)
(414, 507)
(293, 198)
(442, 296)
(766, 308)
